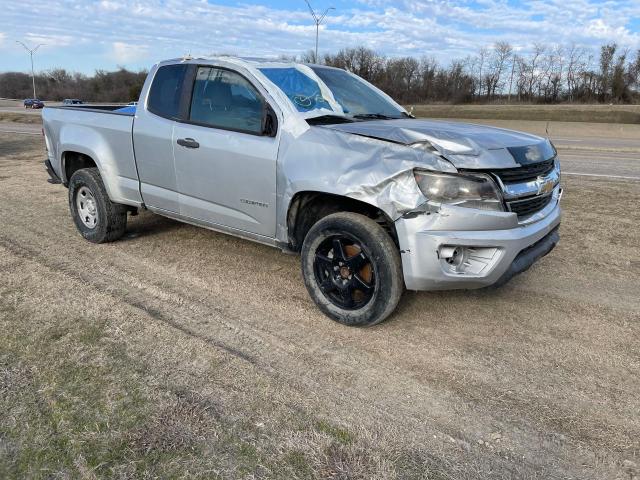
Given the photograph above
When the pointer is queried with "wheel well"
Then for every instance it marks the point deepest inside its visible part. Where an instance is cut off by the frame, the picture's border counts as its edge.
(306, 208)
(74, 161)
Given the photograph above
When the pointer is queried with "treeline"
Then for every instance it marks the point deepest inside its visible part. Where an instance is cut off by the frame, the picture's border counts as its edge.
(547, 74)
(120, 86)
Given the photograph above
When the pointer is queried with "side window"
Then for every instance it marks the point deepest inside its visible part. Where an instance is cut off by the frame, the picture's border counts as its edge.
(165, 91)
(224, 99)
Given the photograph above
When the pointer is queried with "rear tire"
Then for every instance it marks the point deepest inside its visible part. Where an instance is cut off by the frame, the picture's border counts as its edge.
(97, 218)
(352, 269)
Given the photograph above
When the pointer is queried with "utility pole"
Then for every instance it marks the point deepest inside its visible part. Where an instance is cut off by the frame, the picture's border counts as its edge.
(318, 20)
(31, 52)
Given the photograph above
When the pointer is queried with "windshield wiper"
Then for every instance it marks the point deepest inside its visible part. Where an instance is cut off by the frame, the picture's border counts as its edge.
(376, 116)
(328, 120)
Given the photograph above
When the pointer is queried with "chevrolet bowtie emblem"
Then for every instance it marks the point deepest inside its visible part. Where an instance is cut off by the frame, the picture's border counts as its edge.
(545, 185)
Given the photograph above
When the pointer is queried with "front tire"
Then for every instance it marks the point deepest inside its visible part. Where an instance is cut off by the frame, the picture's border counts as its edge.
(97, 218)
(352, 269)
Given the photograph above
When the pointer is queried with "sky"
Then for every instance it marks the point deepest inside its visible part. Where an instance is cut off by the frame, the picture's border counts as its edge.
(83, 36)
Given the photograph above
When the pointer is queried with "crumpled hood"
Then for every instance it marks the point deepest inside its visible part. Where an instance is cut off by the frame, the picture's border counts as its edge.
(465, 145)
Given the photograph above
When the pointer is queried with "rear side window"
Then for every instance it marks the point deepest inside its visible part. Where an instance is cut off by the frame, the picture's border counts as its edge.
(166, 89)
(225, 99)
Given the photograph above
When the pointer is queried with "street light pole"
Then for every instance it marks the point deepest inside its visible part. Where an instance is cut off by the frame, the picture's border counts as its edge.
(318, 20)
(33, 74)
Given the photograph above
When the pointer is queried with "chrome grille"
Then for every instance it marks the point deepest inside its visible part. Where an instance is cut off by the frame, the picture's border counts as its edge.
(530, 205)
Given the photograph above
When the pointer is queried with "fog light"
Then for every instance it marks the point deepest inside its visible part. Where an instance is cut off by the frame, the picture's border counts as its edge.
(463, 260)
(452, 255)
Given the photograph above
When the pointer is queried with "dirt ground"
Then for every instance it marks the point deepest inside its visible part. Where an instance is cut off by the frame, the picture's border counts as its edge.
(179, 352)
(20, 117)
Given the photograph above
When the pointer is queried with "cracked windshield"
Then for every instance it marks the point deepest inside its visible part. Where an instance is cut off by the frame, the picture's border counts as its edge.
(353, 97)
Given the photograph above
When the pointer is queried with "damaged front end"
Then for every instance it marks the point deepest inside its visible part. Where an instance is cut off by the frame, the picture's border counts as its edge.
(481, 227)
(485, 168)
(453, 247)
(463, 212)
(373, 171)
(463, 200)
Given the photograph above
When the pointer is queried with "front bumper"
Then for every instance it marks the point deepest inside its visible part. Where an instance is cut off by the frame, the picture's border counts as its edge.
(504, 246)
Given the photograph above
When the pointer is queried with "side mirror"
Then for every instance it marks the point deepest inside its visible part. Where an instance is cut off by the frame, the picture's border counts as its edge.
(269, 122)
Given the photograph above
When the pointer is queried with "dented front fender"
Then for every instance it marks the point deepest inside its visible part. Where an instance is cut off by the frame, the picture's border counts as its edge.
(370, 170)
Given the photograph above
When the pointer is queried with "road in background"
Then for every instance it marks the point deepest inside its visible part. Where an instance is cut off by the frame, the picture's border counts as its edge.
(596, 149)
(600, 164)
(18, 107)
(21, 109)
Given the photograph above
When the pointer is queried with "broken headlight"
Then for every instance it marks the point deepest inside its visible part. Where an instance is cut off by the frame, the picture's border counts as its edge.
(462, 190)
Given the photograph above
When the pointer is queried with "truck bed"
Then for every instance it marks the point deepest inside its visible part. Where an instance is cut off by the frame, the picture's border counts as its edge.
(101, 133)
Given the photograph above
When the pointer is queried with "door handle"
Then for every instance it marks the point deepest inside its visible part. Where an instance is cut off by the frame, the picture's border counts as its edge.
(188, 143)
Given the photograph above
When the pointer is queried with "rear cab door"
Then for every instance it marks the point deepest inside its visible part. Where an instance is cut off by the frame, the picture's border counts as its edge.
(153, 136)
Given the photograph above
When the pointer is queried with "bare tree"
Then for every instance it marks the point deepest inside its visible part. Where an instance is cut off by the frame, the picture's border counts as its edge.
(482, 59)
(362, 61)
(634, 71)
(532, 68)
(512, 67)
(621, 81)
(502, 52)
(607, 54)
(553, 71)
(428, 71)
(575, 65)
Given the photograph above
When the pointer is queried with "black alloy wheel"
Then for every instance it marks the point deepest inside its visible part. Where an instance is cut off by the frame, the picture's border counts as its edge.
(352, 269)
(344, 272)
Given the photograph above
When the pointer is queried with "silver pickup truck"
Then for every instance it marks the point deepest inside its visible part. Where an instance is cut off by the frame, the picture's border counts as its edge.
(314, 160)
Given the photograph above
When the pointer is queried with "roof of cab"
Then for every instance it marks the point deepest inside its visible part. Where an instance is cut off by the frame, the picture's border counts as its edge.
(256, 62)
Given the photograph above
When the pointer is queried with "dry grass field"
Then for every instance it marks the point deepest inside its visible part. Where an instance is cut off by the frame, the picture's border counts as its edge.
(182, 353)
(19, 117)
(553, 113)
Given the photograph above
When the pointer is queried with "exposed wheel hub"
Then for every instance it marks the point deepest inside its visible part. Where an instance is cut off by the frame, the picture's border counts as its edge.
(345, 272)
(91, 206)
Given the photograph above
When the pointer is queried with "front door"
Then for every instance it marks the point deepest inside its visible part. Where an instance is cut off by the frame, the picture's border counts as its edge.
(225, 167)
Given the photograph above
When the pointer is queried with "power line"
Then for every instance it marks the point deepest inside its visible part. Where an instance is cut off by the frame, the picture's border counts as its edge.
(31, 52)
(318, 20)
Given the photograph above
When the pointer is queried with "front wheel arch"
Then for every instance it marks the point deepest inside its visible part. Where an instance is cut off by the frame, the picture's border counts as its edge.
(308, 207)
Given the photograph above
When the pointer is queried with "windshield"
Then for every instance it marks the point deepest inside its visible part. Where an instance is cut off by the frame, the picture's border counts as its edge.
(302, 90)
(333, 90)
